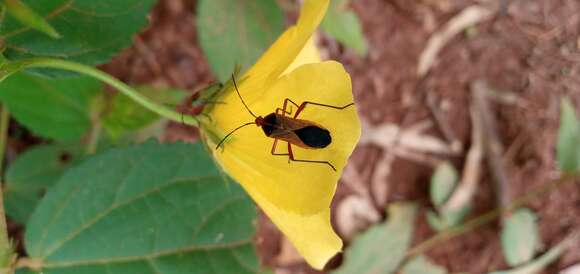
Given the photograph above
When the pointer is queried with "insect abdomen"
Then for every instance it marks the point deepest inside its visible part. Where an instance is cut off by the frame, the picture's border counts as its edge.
(314, 137)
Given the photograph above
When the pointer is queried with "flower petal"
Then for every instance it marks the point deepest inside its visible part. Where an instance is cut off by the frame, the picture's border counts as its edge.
(312, 235)
(291, 49)
(283, 52)
(303, 188)
(308, 55)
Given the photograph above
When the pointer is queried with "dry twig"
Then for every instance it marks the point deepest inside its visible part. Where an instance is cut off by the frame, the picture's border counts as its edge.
(491, 142)
(464, 192)
(468, 17)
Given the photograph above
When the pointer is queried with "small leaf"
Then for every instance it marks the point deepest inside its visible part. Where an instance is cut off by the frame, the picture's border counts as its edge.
(436, 222)
(422, 265)
(568, 148)
(447, 218)
(239, 36)
(519, 237)
(126, 115)
(52, 108)
(92, 31)
(345, 26)
(381, 248)
(31, 174)
(29, 17)
(443, 183)
(151, 208)
(543, 261)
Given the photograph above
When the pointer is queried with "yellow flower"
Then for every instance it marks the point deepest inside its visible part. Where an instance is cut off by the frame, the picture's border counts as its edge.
(296, 196)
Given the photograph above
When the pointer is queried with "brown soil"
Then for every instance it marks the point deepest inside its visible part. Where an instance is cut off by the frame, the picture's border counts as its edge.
(530, 50)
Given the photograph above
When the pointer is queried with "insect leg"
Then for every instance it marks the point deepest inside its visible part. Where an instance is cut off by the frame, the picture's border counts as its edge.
(283, 109)
(291, 157)
(273, 151)
(303, 105)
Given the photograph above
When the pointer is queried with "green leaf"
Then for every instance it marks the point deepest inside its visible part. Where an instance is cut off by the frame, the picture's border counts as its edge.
(237, 32)
(421, 265)
(543, 261)
(52, 108)
(568, 148)
(29, 17)
(126, 115)
(151, 208)
(31, 174)
(381, 248)
(344, 26)
(443, 183)
(447, 218)
(519, 237)
(92, 31)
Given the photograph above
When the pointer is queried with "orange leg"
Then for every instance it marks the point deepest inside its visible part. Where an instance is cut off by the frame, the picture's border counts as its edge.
(290, 155)
(303, 105)
(283, 109)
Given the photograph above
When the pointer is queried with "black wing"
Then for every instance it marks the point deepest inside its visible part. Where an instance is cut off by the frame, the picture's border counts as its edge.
(314, 136)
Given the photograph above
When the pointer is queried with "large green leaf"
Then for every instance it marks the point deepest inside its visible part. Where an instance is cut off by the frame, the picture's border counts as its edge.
(234, 32)
(150, 208)
(568, 148)
(31, 174)
(382, 248)
(52, 108)
(92, 31)
(344, 26)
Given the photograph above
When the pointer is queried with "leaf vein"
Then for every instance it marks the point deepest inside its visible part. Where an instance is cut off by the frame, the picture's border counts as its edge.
(127, 259)
(114, 206)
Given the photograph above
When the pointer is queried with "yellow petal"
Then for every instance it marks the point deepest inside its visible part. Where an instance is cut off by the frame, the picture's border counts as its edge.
(312, 235)
(290, 49)
(303, 188)
(283, 52)
(308, 55)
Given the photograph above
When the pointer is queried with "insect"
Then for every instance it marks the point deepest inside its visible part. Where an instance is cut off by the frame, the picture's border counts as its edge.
(298, 132)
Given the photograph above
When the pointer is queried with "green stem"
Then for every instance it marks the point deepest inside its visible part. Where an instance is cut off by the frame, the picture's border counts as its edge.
(5, 247)
(488, 217)
(93, 140)
(102, 76)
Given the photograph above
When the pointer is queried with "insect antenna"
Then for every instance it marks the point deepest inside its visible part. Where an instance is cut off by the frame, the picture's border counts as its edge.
(231, 132)
(239, 95)
(247, 108)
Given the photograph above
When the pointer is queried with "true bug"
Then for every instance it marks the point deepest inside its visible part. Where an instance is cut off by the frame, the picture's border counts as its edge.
(294, 131)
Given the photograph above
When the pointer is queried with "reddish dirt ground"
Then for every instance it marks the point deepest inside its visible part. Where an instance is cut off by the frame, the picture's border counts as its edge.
(529, 50)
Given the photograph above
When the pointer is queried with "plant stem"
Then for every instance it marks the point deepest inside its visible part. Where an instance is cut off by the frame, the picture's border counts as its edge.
(102, 76)
(5, 247)
(93, 140)
(489, 216)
